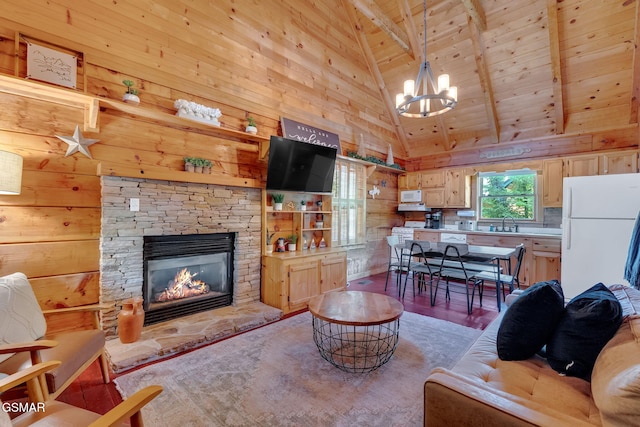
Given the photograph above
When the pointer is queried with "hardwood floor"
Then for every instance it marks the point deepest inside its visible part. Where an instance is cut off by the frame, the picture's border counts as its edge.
(89, 392)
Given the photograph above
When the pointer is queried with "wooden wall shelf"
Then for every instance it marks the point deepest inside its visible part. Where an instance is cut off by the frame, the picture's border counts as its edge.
(92, 105)
(371, 167)
(57, 95)
(112, 169)
(175, 122)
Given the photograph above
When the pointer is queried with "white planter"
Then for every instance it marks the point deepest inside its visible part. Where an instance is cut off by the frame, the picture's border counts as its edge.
(277, 206)
(292, 247)
(303, 207)
(130, 98)
(251, 129)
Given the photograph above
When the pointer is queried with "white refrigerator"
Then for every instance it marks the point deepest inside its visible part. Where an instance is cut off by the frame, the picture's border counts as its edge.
(598, 218)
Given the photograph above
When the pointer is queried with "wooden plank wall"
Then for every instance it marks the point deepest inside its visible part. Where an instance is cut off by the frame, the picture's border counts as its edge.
(229, 58)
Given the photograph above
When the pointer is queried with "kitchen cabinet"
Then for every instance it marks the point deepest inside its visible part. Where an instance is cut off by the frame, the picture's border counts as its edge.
(432, 179)
(546, 260)
(619, 162)
(554, 170)
(508, 241)
(581, 165)
(457, 189)
(410, 181)
(289, 282)
(552, 176)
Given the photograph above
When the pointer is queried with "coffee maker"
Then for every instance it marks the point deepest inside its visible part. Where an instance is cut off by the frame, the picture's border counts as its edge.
(432, 220)
(436, 218)
(428, 222)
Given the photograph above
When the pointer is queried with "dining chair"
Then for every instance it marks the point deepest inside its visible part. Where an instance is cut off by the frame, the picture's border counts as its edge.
(419, 267)
(500, 279)
(44, 411)
(395, 260)
(452, 267)
(24, 340)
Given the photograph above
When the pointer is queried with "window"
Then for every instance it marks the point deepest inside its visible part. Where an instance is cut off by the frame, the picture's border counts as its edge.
(508, 194)
(349, 204)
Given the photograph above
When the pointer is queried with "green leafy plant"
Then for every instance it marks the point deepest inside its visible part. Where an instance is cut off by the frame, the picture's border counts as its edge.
(191, 160)
(129, 85)
(277, 197)
(207, 163)
(251, 121)
(269, 237)
(303, 203)
(292, 239)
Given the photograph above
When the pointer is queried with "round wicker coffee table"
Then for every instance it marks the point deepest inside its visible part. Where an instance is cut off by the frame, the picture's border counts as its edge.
(356, 331)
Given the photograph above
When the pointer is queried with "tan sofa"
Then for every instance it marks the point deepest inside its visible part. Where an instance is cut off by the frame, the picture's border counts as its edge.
(482, 390)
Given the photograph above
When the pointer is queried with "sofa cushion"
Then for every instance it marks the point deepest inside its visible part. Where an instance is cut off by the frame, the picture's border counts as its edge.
(590, 320)
(615, 381)
(529, 322)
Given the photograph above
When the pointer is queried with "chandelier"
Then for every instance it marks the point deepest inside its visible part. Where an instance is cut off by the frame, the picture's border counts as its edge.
(425, 97)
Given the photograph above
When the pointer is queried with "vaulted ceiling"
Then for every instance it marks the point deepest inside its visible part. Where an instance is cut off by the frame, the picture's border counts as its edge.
(525, 69)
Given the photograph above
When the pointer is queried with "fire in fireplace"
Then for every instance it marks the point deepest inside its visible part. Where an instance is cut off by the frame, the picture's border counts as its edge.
(186, 274)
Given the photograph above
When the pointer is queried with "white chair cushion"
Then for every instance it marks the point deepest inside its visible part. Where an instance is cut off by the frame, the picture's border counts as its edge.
(21, 318)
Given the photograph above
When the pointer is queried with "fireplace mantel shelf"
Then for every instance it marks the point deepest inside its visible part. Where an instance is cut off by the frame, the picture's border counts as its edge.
(162, 174)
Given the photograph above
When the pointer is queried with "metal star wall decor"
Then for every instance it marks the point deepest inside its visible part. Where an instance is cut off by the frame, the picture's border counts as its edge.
(77, 142)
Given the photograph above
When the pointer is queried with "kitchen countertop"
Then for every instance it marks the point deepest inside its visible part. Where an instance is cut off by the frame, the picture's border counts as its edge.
(526, 233)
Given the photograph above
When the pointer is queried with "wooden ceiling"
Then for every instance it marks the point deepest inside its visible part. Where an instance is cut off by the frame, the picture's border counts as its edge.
(525, 69)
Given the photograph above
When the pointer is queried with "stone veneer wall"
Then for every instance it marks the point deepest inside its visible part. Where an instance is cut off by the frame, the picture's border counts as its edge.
(173, 208)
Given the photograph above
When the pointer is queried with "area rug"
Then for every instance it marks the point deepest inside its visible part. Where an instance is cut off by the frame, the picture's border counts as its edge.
(275, 376)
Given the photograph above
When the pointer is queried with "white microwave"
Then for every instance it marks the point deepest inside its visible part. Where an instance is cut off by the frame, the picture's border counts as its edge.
(411, 196)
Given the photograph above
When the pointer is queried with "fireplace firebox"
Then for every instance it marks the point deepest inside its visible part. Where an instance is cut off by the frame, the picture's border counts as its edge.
(186, 274)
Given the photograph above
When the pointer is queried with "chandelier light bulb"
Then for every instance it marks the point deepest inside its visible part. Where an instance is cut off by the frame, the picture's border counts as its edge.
(409, 87)
(424, 105)
(443, 82)
(453, 92)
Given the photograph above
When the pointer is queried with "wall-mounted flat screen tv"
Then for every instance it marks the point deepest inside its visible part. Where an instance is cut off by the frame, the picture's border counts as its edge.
(300, 166)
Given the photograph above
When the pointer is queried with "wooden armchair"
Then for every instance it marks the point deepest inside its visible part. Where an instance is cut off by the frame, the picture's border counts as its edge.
(53, 413)
(24, 341)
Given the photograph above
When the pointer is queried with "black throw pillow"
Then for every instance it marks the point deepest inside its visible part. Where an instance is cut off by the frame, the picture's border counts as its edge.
(590, 320)
(529, 322)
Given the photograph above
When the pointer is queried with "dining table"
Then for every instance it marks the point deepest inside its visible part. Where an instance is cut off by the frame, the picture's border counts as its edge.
(473, 257)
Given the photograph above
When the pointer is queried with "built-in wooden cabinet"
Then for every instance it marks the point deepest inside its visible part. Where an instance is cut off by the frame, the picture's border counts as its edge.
(290, 280)
(552, 176)
(312, 224)
(457, 189)
(554, 170)
(443, 188)
(619, 162)
(546, 258)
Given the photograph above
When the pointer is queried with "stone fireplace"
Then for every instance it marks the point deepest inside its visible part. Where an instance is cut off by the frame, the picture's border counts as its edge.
(166, 209)
(186, 274)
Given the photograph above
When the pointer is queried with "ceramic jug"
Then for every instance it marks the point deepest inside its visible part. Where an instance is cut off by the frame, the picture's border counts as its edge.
(130, 320)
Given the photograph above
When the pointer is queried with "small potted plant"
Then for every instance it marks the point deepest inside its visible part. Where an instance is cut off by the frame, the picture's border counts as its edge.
(199, 163)
(251, 126)
(303, 205)
(291, 242)
(189, 164)
(269, 243)
(278, 199)
(206, 166)
(131, 95)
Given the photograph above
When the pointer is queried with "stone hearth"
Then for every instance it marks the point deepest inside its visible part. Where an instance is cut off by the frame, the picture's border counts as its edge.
(169, 338)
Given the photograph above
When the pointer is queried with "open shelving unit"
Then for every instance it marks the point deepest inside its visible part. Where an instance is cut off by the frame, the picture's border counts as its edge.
(312, 224)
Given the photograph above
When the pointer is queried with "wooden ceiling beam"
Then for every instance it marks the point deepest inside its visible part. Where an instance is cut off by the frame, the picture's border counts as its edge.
(485, 80)
(556, 65)
(476, 12)
(376, 74)
(372, 11)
